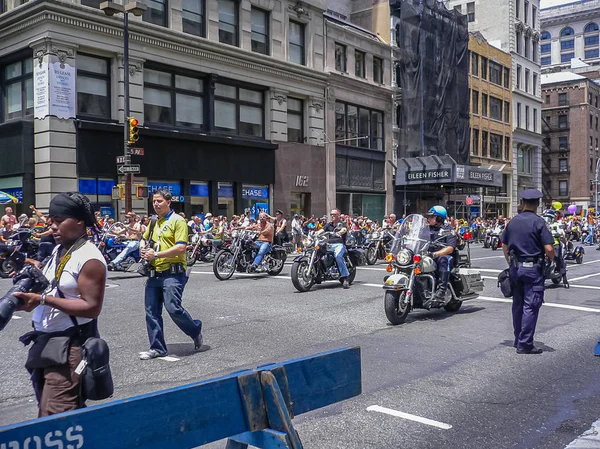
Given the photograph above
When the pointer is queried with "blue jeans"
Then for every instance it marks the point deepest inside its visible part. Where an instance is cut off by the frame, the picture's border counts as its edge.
(132, 246)
(339, 249)
(263, 248)
(167, 290)
(590, 237)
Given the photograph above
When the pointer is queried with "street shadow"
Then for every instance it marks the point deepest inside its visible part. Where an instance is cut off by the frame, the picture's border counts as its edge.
(185, 349)
(537, 344)
(437, 314)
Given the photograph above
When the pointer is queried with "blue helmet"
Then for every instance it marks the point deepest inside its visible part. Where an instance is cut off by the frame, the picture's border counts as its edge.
(438, 211)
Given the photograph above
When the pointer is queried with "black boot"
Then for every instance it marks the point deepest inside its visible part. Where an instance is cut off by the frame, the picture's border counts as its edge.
(565, 282)
(440, 295)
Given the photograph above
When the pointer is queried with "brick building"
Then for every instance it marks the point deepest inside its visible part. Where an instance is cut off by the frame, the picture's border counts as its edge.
(570, 118)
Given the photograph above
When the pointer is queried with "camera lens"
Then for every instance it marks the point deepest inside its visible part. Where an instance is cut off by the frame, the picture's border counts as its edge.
(8, 305)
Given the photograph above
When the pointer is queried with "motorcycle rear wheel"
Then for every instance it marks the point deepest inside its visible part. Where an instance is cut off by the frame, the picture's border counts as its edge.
(301, 280)
(395, 313)
(579, 260)
(190, 258)
(555, 281)
(371, 255)
(453, 306)
(6, 267)
(351, 275)
(277, 270)
(224, 265)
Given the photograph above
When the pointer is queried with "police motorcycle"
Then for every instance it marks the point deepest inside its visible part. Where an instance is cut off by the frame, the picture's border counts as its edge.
(379, 245)
(411, 283)
(241, 253)
(487, 241)
(318, 263)
(111, 245)
(552, 271)
(200, 248)
(495, 234)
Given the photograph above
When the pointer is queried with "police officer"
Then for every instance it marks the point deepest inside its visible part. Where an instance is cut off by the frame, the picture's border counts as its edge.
(445, 244)
(526, 240)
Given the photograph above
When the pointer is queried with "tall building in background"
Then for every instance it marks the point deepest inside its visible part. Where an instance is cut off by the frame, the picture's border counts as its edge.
(514, 26)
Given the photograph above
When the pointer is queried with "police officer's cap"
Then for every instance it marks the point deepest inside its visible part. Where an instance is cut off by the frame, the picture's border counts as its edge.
(531, 194)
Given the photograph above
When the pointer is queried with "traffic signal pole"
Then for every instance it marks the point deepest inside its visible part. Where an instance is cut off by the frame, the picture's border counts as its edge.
(128, 176)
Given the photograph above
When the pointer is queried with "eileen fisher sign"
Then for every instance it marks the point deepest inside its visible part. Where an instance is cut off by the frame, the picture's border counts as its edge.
(442, 173)
(54, 89)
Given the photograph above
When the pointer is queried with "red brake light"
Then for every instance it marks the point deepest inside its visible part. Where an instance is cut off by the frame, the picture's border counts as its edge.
(416, 258)
(468, 236)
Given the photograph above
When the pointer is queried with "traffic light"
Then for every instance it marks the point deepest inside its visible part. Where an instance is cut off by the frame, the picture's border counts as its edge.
(141, 191)
(133, 130)
(118, 192)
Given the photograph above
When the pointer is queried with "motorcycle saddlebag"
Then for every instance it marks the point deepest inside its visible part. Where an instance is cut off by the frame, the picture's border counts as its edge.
(471, 281)
(357, 256)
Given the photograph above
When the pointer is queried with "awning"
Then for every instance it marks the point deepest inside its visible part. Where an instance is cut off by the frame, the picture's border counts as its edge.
(443, 169)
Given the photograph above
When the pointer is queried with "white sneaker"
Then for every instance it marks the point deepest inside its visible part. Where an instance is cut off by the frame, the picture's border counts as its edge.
(151, 354)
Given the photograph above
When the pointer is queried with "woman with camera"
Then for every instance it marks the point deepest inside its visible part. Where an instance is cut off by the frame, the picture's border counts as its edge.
(65, 315)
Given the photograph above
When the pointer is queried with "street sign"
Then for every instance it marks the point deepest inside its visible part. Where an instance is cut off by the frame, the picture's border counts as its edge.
(469, 201)
(123, 160)
(136, 151)
(125, 169)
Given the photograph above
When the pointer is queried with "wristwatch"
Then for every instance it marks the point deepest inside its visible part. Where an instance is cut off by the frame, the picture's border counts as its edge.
(43, 299)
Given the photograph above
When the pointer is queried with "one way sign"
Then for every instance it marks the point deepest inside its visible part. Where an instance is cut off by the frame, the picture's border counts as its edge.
(126, 169)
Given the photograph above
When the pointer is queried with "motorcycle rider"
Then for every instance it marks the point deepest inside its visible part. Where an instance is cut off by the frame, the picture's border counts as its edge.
(559, 236)
(266, 233)
(134, 235)
(337, 243)
(443, 236)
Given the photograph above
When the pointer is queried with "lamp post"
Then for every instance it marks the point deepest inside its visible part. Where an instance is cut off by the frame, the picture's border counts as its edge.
(137, 9)
(596, 184)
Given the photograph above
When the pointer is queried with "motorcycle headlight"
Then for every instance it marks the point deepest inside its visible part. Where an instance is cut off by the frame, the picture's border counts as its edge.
(234, 233)
(307, 241)
(404, 257)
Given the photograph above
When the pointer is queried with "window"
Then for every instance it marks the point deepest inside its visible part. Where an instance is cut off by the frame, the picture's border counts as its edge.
(533, 15)
(563, 143)
(519, 38)
(519, 76)
(526, 11)
(484, 68)
(358, 127)
(563, 188)
(17, 81)
(527, 80)
(596, 101)
(591, 121)
(471, 11)
(591, 28)
(527, 117)
(518, 115)
(495, 108)
(506, 112)
(295, 120)
(518, 8)
(527, 46)
(547, 99)
(93, 91)
(171, 99)
(484, 105)
(377, 70)
(495, 73)
(562, 165)
(547, 60)
(475, 102)
(592, 54)
(596, 123)
(563, 99)
(296, 42)
(545, 48)
(568, 31)
(192, 16)
(563, 121)
(474, 63)
(156, 12)
(534, 84)
(475, 149)
(524, 161)
(340, 57)
(260, 31)
(506, 77)
(535, 120)
(545, 36)
(591, 142)
(507, 148)
(359, 64)
(228, 22)
(567, 45)
(239, 110)
(458, 8)
(566, 57)
(496, 141)
(591, 41)
(484, 143)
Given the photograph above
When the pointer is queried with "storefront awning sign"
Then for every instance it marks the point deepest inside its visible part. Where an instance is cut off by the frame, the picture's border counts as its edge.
(6, 198)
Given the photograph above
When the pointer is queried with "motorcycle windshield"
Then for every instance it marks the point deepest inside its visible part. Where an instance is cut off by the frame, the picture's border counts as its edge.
(413, 234)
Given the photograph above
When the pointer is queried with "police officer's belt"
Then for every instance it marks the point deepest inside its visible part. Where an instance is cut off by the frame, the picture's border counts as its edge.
(535, 259)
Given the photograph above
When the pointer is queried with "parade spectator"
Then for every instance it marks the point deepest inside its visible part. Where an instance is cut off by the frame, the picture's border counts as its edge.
(9, 217)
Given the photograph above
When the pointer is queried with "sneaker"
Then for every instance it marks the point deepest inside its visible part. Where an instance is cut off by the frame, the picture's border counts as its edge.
(198, 342)
(533, 350)
(346, 284)
(151, 354)
(111, 266)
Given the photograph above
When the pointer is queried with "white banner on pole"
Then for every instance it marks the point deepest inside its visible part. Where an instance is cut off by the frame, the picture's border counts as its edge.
(55, 90)
(41, 104)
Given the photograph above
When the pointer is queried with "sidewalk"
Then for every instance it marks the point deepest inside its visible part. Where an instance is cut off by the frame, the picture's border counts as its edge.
(590, 439)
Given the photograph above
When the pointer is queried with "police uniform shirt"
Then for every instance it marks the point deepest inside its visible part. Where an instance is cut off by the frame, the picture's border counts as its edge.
(448, 239)
(169, 231)
(526, 235)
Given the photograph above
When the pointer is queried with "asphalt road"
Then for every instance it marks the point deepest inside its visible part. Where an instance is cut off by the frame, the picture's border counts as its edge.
(459, 370)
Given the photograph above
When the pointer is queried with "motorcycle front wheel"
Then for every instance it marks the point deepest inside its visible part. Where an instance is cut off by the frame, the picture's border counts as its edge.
(300, 277)
(453, 306)
(579, 260)
(190, 258)
(7, 266)
(371, 255)
(494, 245)
(395, 310)
(224, 265)
(486, 243)
(555, 281)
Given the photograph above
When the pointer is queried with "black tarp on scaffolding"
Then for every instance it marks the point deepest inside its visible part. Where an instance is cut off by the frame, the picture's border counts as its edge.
(433, 76)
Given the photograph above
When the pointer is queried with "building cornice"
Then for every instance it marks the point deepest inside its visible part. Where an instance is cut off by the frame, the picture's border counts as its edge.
(80, 17)
(346, 83)
(565, 19)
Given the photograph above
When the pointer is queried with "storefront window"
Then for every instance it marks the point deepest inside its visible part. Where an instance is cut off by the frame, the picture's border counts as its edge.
(199, 198)
(225, 199)
(255, 198)
(300, 204)
(17, 93)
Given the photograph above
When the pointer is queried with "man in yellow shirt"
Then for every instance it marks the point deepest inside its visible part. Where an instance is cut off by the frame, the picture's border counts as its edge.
(166, 255)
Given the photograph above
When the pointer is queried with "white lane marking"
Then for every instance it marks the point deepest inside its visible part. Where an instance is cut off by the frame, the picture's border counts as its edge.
(584, 277)
(589, 287)
(420, 419)
(488, 270)
(168, 358)
(547, 304)
(15, 317)
(111, 285)
(371, 268)
(490, 257)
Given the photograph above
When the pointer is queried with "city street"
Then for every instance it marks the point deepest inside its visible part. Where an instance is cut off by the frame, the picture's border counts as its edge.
(455, 378)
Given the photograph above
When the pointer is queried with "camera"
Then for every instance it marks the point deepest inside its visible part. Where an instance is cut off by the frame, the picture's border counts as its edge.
(27, 280)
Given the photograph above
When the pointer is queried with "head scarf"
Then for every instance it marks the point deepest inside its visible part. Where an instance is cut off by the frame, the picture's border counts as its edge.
(67, 206)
